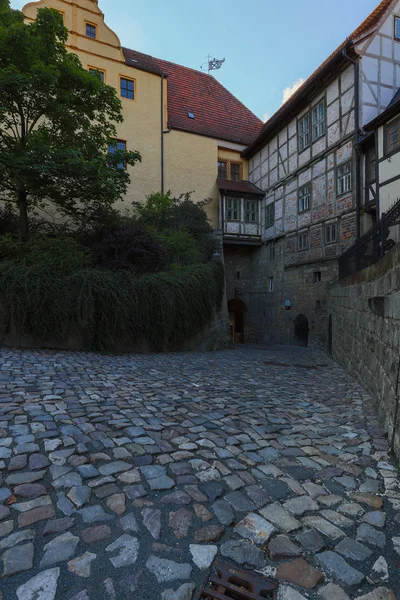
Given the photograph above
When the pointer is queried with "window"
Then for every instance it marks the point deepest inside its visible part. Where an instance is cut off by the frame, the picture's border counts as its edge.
(318, 121)
(272, 251)
(251, 211)
(370, 160)
(397, 28)
(222, 170)
(304, 133)
(317, 276)
(91, 31)
(127, 88)
(392, 136)
(271, 284)
(98, 73)
(233, 209)
(330, 234)
(343, 176)
(304, 198)
(116, 145)
(269, 215)
(235, 172)
(303, 241)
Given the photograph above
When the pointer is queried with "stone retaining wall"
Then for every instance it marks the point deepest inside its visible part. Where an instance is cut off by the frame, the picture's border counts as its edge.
(365, 314)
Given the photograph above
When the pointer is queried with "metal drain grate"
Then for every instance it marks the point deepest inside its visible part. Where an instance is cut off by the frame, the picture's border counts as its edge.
(232, 583)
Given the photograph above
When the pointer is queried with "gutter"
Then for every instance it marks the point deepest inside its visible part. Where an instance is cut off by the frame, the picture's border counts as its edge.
(357, 137)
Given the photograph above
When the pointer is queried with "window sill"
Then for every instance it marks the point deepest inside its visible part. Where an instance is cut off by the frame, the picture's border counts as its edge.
(304, 149)
(302, 212)
(319, 137)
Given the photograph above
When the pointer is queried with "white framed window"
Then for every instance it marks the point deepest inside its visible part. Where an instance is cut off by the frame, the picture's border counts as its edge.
(305, 198)
(392, 135)
(251, 211)
(233, 212)
(318, 121)
(304, 133)
(330, 233)
(271, 284)
(302, 241)
(269, 215)
(397, 28)
(343, 179)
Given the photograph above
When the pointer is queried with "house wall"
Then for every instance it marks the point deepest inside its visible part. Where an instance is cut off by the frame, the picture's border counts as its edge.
(379, 68)
(365, 312)
(389, 176)
(190, 160)
(280, 170)
(142, 121)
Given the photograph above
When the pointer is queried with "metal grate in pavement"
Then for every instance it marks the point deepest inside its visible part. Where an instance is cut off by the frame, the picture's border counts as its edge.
(232, 583)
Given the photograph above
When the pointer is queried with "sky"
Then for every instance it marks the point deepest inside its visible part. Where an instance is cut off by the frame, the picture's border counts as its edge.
(269, 45)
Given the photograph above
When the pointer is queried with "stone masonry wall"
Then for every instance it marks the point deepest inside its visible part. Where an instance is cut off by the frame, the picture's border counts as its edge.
(365, 312)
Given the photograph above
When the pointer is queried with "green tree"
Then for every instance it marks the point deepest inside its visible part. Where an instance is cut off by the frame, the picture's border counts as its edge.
(57, 122)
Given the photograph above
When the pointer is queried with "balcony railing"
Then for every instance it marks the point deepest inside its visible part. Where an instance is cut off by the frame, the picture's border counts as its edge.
(373, 246)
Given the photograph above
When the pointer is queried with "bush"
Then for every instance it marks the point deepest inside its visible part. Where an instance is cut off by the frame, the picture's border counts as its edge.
(181, 247)
(110, 310)
(127, 248)
(61, 253)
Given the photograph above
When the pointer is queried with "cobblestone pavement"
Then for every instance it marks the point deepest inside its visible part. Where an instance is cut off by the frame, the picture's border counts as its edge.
(123, 477)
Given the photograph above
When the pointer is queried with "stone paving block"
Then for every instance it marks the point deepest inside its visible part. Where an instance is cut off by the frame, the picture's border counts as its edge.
(339, 568)
(279, 517)
(254, 528)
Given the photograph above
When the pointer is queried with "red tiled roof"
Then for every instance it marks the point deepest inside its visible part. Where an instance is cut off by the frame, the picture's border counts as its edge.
(241, 187)
(141, 61)
(371, 21)
(217, 113)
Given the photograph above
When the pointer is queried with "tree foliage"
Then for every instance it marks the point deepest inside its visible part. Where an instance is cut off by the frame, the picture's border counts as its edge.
(57, 121)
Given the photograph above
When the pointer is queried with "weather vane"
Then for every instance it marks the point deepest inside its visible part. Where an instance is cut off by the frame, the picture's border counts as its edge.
(213, 63)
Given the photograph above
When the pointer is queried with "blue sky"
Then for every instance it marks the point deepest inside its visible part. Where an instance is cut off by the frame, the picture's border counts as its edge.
(269, 45)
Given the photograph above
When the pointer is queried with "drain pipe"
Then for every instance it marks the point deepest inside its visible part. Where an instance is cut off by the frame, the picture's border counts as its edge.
(163, 132)
(356, 65)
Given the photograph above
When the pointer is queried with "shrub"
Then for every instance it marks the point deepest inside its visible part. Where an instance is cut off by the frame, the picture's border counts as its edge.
(110, 310)
(181, 247)
(129, 248)
(61, 253)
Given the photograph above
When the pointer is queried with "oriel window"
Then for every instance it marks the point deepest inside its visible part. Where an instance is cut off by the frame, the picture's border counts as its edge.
(233, 209)
(251, 211)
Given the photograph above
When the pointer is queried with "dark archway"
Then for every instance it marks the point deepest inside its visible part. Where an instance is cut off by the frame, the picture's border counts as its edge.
(301, 330)
(330, 335)
(236, 310)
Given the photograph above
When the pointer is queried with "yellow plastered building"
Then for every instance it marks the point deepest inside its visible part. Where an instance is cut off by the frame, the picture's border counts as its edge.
(188, 128)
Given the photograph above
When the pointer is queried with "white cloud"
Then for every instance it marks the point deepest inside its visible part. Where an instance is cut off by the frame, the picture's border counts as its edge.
(266, 116)
(291, 89)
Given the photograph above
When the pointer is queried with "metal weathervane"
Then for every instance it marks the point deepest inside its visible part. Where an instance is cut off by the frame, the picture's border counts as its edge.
(213, 64)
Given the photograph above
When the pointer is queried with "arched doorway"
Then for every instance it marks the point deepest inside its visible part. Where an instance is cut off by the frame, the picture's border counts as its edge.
(236, 310)
(301, 330)
(330, 338)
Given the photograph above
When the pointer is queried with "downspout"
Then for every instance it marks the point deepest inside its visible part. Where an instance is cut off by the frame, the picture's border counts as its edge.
(163, 132)
(356, 65)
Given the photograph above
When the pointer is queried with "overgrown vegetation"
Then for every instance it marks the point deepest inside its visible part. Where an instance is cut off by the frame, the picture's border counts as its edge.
(110, 310)
(142, 280)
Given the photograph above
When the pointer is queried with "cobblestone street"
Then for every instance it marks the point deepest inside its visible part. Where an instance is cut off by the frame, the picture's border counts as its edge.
(124, 477)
